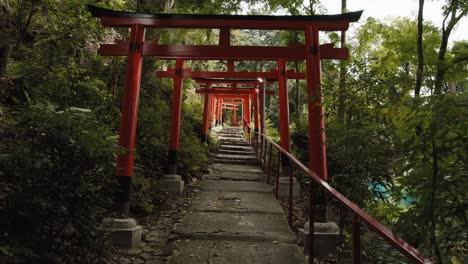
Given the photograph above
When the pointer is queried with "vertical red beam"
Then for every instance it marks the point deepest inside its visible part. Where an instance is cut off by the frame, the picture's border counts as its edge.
(210, 102)
(218, 109)
(255, 108)
(261, 97)
(243, 113)
(215, 111)
(220, 114)
(175, 118)
(283, 106)
(234, 116)
(206, 105)
(213, 104)
(317, 150)
(247, 109)
(128, 119)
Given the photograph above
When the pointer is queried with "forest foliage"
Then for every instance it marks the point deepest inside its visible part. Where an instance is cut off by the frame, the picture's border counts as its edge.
(60, 105)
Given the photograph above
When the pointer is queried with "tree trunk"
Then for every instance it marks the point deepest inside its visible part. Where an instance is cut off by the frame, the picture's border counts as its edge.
(435, 174)
(446, 31)
(441, 69)
(419, 74)
(342, 87)
(4, 52)
(452, 87)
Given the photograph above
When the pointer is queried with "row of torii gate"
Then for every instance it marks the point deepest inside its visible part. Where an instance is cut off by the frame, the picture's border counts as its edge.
(137, 47)
(236, 88)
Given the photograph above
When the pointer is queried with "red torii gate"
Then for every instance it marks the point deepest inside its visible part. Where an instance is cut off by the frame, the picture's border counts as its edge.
(234, 109)
(210, 91)
(255, 92)
(136, 47)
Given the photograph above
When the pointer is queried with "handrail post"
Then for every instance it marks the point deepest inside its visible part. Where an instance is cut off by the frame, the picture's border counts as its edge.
(290, 172)
(262, 154)
(270, 153)
(311, 223)
(356, 240)
(277, 174)
(261, 151)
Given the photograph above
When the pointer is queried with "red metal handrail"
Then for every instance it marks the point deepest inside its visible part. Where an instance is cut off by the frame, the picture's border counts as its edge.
(359, 215)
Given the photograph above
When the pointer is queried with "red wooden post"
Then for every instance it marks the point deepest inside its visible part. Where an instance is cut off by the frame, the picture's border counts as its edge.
(210, 107)
(317, 150)
(205, 125)
(261, 98)
(218, 108)
(234, 116)
(128, 119)
(247, 109)
(215, 111)
(283, 107)
(220, 112)
(262, 107)
(213, 107)
(256, 121)
(175, 119)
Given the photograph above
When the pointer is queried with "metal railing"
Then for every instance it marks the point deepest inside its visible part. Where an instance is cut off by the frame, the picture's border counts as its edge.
(263, 147)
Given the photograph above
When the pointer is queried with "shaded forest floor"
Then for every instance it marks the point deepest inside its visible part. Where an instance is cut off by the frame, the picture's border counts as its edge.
(157, 230)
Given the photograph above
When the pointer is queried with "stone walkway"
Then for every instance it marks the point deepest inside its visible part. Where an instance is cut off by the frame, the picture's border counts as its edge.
(234, 218)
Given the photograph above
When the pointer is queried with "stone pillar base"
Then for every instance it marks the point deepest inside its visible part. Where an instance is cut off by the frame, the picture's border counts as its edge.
(124, 233)
(326, 239)
(283, 187)
(171, 183)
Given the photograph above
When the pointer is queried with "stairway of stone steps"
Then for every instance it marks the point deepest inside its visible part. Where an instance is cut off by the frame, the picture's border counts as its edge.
(235, 217)
(234, 149)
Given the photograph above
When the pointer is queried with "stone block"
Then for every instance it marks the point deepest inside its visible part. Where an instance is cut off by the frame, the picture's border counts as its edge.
(283, 187)
(326, 239)
(171, 183)
(124, 233)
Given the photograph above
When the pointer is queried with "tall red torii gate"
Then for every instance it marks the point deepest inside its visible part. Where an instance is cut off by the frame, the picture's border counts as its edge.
(136, 47)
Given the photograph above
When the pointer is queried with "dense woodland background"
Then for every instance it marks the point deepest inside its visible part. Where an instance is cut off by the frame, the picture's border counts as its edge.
(396, 117)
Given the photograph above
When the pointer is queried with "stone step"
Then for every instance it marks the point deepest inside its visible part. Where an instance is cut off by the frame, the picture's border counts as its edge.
(238, 152)
(236, 175)
(234, 147)
(240, 186)
(235, 161)
(233, 135)
(236, 168)
(250, 157)
(241, 226)
(224, 251)
(231, 138)
(235, 143)
(235, 201)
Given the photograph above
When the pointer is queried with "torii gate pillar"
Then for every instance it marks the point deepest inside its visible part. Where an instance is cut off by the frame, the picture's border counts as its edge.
(171, 182)
(246, 108)
(317, 148)
(284, 180)
(234, 116)
(206, 113)
(255, 113)
(220, 112)
(128, 121)
(129, 233)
